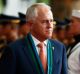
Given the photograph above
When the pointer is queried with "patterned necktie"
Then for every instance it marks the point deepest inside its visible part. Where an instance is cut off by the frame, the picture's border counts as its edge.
(42, 56)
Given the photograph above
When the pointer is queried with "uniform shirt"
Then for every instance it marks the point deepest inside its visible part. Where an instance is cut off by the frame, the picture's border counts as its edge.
(74, 60)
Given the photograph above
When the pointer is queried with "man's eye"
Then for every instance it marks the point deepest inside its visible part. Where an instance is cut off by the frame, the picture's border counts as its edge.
(44, 21)
(47, 21)
(51, 20)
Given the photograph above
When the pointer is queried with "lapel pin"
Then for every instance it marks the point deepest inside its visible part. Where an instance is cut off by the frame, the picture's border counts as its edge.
(53, 48)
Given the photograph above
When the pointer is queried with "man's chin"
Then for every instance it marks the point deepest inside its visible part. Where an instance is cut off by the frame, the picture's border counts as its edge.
(49, 36)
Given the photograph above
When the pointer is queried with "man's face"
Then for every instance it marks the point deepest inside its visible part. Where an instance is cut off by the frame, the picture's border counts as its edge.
(1, 30)
(61, 34)
(75, 26)
(43, 24)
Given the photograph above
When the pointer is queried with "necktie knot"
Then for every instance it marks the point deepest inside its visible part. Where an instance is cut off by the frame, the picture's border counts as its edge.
(41, 45)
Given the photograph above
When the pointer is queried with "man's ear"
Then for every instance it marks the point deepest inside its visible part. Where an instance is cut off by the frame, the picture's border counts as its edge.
(30, 24)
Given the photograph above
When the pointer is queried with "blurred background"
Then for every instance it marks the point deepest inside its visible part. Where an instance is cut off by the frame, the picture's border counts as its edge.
(60, 8)
(13, 23)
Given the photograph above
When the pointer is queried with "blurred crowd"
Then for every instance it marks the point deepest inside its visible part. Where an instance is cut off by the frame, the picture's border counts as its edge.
(12, 28)
(68, 32)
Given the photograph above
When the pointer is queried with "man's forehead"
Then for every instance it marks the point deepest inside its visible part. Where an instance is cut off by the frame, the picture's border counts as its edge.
(47, 14)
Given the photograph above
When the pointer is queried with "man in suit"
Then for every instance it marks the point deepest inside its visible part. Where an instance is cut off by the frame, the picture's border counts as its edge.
(27, 56)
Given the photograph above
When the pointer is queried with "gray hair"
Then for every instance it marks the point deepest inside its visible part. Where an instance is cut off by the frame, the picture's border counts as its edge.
(32, 10)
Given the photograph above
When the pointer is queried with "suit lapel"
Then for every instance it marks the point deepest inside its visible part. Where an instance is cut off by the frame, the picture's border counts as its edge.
(56, 56)
(32, 55)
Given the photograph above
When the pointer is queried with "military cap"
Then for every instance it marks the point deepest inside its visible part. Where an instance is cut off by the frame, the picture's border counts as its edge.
(7, 19)
(62, 23)
(22, 18)
(76, 13)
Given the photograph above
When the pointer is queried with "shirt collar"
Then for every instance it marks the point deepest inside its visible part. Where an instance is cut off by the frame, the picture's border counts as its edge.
(36, 41)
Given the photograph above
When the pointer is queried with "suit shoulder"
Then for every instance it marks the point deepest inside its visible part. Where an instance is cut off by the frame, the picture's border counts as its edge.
(17, 44)
(59, 47)
(56, 42)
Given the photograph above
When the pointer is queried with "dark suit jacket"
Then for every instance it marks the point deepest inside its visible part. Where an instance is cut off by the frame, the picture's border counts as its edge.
(17, 59)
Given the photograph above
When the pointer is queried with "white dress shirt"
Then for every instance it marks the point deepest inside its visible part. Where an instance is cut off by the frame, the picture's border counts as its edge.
(36, 42)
